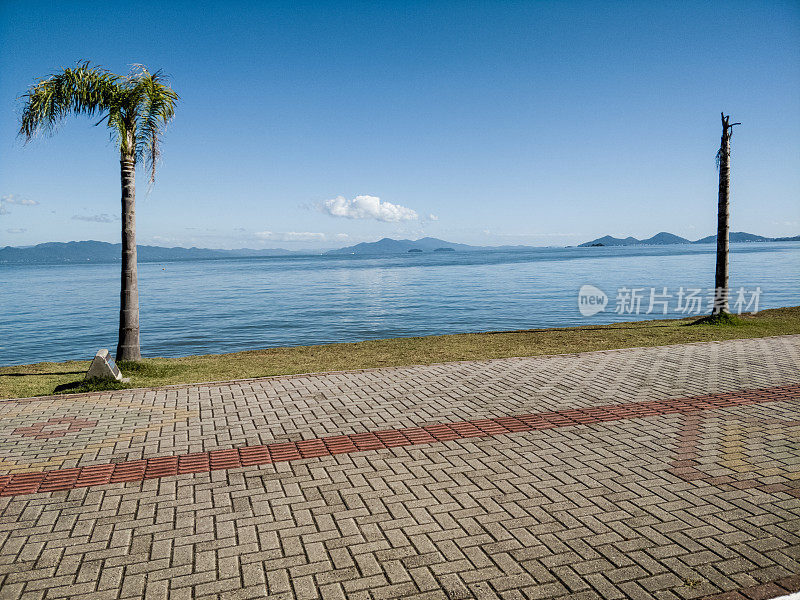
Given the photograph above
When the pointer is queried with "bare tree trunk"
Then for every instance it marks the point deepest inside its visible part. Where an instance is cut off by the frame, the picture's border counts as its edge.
(128, 346)
(723, 219)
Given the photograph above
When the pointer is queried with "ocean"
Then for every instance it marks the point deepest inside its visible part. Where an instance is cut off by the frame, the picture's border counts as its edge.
(69, 311)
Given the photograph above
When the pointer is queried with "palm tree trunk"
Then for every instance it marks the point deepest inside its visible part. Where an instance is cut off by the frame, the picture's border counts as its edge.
(128, 345)
(723, 220)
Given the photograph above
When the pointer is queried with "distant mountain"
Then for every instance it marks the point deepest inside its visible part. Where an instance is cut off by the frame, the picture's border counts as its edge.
(607, 240)
(665, 238)
(737, 236)
(103, 252)
(390, 246)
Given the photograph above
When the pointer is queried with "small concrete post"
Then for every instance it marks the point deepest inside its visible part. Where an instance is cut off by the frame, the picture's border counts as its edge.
(104, 367)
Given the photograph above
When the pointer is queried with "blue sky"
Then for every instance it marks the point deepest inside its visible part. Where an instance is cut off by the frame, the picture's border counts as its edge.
(541, 123)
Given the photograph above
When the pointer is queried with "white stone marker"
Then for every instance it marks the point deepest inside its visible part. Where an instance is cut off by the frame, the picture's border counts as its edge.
(104, 367)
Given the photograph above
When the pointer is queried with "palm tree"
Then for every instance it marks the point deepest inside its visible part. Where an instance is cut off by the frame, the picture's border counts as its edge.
(136, 108)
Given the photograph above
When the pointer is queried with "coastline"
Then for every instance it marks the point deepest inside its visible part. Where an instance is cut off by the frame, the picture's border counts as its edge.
(19, 381)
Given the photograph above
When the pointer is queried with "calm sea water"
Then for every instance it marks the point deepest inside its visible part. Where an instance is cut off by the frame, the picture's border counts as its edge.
(60, 312)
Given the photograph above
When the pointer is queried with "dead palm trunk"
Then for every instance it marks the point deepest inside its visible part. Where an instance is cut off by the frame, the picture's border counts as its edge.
(128, 345)
(723, 218)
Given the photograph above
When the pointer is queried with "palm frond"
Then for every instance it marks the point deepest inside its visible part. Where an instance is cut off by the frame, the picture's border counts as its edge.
(136, 108)
(156, 102)
(81, 90)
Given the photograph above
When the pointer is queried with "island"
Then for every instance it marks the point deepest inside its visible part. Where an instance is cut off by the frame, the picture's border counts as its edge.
(664, 238)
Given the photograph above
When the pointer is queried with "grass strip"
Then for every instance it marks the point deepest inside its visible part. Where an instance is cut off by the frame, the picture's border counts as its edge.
(67, 377)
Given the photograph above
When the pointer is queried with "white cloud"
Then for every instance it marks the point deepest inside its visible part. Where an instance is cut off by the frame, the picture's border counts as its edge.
(521, 235)
(341, 236)
(101, 218)
(433, 218)
(160, 239)
(367, 207)
(291, 236)
(16, 230)
(14, 199)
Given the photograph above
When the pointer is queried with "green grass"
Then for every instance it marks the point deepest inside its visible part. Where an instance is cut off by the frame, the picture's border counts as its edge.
(720, 320)
(95, 385)
(48, 378)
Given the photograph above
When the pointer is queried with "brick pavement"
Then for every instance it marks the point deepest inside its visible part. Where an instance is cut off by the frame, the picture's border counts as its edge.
(652, 503)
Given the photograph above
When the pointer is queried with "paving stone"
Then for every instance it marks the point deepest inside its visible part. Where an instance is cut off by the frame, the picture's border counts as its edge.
(668, 472)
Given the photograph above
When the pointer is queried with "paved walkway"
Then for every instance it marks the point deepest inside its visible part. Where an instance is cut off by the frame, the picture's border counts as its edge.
(669, 472)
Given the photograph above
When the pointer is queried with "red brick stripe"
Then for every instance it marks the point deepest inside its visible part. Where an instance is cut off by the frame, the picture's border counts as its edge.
(203, 462)
(762, 591)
